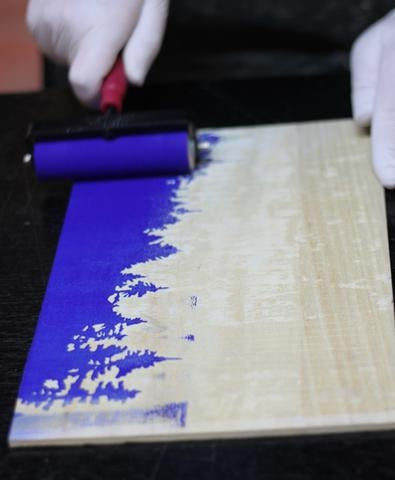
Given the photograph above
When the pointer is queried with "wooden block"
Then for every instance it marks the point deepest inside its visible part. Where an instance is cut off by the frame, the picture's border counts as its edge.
(270, 314)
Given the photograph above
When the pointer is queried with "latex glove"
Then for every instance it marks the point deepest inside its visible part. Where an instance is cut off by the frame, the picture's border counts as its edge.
(373, 92)
(88, 35)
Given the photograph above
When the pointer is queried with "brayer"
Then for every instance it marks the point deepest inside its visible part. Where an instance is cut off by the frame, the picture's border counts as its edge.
(112, 144)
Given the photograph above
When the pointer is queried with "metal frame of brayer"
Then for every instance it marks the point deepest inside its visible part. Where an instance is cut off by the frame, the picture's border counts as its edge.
(109, 126)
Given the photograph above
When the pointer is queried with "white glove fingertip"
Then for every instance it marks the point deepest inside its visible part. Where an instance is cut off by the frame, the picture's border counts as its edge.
(85, 85)
(383, 155)
(145, 42)
(365, 57)
(386, 175)
(383, 123)
(362, 106)
(93, 60)
(135, 71)
(31, 16)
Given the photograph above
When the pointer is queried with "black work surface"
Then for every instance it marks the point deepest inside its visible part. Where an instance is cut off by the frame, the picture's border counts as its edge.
(31, 217)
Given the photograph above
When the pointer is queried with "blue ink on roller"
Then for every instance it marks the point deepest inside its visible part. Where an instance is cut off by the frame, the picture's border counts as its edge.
(125, 156)
(113, 146)
(141, 288)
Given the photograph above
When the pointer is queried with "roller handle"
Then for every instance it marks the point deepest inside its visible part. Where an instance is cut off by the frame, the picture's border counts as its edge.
(114, 88)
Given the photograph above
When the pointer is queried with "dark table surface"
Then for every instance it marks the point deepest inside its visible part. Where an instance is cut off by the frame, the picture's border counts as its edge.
(31, 216)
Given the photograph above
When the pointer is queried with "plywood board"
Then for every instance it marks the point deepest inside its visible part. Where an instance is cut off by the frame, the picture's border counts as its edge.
(252, 298)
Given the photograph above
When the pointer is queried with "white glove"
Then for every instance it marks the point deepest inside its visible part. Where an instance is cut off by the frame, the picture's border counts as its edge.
(87, 35)
(373, 92)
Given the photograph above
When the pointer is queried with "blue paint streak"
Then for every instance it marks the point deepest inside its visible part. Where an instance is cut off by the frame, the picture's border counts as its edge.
(182, 210)
(139, 359)
(103, 232)
(173, 411)
(190, 337)
(26, 426)
(212, 140)
(141, 288)
(112, 393)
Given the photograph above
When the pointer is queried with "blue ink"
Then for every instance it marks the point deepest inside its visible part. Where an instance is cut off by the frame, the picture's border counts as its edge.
(174, 411)
(211, 140)
(189, 337)
(182, 210)
(106, 228)
(26, 426)
(113, 393)
(141, 288)
(139, 359)
(113, 328)
(123, 156)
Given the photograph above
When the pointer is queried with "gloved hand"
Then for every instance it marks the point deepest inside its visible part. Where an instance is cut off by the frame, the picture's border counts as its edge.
(373, 92)
(88, 35)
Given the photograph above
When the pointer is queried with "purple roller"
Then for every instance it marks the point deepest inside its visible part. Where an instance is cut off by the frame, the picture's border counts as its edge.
(145, 154)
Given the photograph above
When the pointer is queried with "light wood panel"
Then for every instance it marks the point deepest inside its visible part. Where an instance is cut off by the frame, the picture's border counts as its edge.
(276, 308)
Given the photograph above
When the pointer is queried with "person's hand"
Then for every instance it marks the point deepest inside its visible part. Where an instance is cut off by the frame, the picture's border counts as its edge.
(88, 35)
(373, 93)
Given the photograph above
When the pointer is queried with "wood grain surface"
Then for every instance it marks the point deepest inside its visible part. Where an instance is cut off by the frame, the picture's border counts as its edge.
(281, 282)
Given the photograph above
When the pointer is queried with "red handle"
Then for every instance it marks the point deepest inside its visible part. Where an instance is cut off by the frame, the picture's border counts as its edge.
(114, 88)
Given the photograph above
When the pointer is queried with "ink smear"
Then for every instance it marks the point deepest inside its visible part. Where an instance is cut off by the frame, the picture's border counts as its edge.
(81, 337)
(78, 335)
